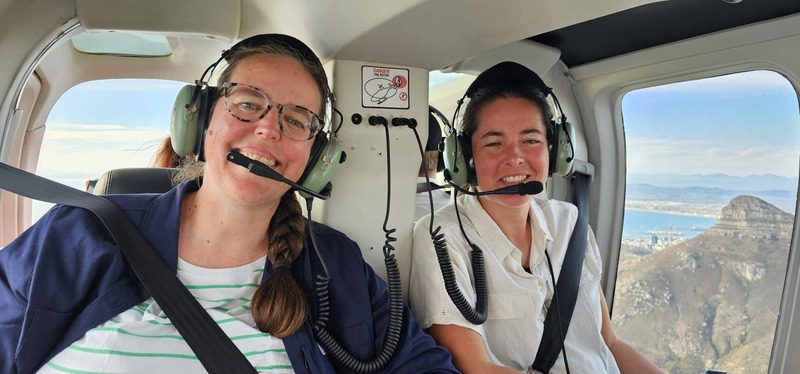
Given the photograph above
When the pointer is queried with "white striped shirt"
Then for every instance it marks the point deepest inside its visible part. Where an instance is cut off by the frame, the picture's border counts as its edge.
(142, 339)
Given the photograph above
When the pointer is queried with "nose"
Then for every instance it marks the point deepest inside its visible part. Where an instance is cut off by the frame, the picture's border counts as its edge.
(513, 155)
(269, 126)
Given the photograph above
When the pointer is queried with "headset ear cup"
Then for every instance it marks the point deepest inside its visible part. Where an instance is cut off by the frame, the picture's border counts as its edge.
(455, 163)
(184, 124)
(325, 156)
(562, 152)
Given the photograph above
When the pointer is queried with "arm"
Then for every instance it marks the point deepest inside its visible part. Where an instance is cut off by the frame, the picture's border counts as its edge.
(18, 263)
(628, 358)
(466, 346)
(12, 306)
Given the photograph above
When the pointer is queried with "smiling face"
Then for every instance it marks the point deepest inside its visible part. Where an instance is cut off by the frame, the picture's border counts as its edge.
(285, 81)
(509, 147)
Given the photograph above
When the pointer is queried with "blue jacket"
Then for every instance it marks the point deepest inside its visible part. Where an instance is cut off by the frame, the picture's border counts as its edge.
(65, 275)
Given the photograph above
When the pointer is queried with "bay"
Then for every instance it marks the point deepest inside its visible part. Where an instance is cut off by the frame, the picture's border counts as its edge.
(639, 224)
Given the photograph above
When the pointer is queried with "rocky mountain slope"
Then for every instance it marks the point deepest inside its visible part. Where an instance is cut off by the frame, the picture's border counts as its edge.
(710, 302)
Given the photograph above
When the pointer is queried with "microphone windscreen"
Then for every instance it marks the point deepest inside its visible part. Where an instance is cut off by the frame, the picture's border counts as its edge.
(531, 188)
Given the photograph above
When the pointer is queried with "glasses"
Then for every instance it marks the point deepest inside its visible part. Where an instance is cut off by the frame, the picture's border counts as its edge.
(249, 104)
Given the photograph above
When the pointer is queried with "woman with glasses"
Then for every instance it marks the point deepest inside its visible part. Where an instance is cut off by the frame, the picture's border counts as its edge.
(69, 302)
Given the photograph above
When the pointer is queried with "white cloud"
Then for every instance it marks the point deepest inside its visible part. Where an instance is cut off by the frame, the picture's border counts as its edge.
(144, 85)
(103, 133)
(78, 127)
(649, 155)
(86, 151)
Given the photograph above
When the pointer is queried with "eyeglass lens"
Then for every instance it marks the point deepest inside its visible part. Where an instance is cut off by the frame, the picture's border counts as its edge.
(250, 105)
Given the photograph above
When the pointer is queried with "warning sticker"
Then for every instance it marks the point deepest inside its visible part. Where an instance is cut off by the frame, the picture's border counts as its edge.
(384, 87)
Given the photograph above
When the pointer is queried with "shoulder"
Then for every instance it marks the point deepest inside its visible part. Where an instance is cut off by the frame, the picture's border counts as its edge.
(72, 228)
(133, 205)
(446, 215)
(327, 233)
(333, 244)
(555, 211)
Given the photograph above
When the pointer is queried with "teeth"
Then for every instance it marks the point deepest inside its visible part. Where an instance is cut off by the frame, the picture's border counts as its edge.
(514, 179)
(260, 159)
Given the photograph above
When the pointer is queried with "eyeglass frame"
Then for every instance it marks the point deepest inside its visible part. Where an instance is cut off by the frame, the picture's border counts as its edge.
(226, 86)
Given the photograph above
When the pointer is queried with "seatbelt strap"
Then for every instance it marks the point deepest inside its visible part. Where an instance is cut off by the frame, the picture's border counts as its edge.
(566, 291)
(213, 348)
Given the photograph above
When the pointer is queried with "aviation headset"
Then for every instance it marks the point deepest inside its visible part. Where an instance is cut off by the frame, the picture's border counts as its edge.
(194, 103)
(435, 135)
(457, 148)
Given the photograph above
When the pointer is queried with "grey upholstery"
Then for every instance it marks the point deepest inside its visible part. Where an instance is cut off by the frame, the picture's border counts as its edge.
(135, 180)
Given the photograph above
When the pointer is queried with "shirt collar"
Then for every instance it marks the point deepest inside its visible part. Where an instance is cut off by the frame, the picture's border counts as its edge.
(491, 233)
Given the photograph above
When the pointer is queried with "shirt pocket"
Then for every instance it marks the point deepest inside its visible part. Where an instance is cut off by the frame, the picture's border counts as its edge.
(510, 305)
(590, 272)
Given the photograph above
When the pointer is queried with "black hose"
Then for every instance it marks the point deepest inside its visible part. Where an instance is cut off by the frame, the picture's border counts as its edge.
(325, 339)
(475, 315)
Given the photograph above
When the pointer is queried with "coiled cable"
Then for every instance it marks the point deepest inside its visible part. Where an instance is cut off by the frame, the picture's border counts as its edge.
(475, 315)
(392, 340)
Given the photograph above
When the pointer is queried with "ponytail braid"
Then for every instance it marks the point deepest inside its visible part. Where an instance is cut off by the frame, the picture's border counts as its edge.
(279, 305)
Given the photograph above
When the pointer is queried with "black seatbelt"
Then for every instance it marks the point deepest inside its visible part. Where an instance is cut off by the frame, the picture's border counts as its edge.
(559, 315)
(213, 348)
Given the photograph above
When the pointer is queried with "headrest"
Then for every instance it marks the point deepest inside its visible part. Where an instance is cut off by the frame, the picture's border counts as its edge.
(434, 133)
(507, 73)
(135, 180)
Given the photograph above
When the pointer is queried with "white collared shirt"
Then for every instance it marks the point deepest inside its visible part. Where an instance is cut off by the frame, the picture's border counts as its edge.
(518, 300)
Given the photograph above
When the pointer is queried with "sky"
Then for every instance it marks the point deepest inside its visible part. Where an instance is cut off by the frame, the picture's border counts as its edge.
(740, 125)
(102, 125)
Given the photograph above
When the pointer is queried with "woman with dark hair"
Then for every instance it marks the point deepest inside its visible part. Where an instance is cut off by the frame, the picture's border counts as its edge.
(69, 302)
(506, 135)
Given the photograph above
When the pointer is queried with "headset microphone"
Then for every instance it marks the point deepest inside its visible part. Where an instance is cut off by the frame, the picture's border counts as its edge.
(265, 171)
(528, 188)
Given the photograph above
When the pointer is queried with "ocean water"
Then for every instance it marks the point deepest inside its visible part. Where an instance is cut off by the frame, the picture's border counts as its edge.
(641, 224)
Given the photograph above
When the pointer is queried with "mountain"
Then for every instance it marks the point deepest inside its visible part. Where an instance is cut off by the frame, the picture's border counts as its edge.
(715, 297)
(642, 192)
(722, 181)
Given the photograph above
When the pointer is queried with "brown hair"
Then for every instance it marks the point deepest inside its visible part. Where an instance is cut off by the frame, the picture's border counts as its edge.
(165, 156)
(486, 95)
(430, 162)
(279, 305)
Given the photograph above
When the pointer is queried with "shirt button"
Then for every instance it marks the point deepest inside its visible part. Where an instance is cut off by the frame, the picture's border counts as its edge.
(540, 283)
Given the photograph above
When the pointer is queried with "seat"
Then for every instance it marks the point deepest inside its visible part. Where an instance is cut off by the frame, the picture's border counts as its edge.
(135, 180)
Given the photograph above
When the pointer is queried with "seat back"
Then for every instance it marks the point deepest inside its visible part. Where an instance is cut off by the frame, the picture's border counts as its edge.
(135, 180)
